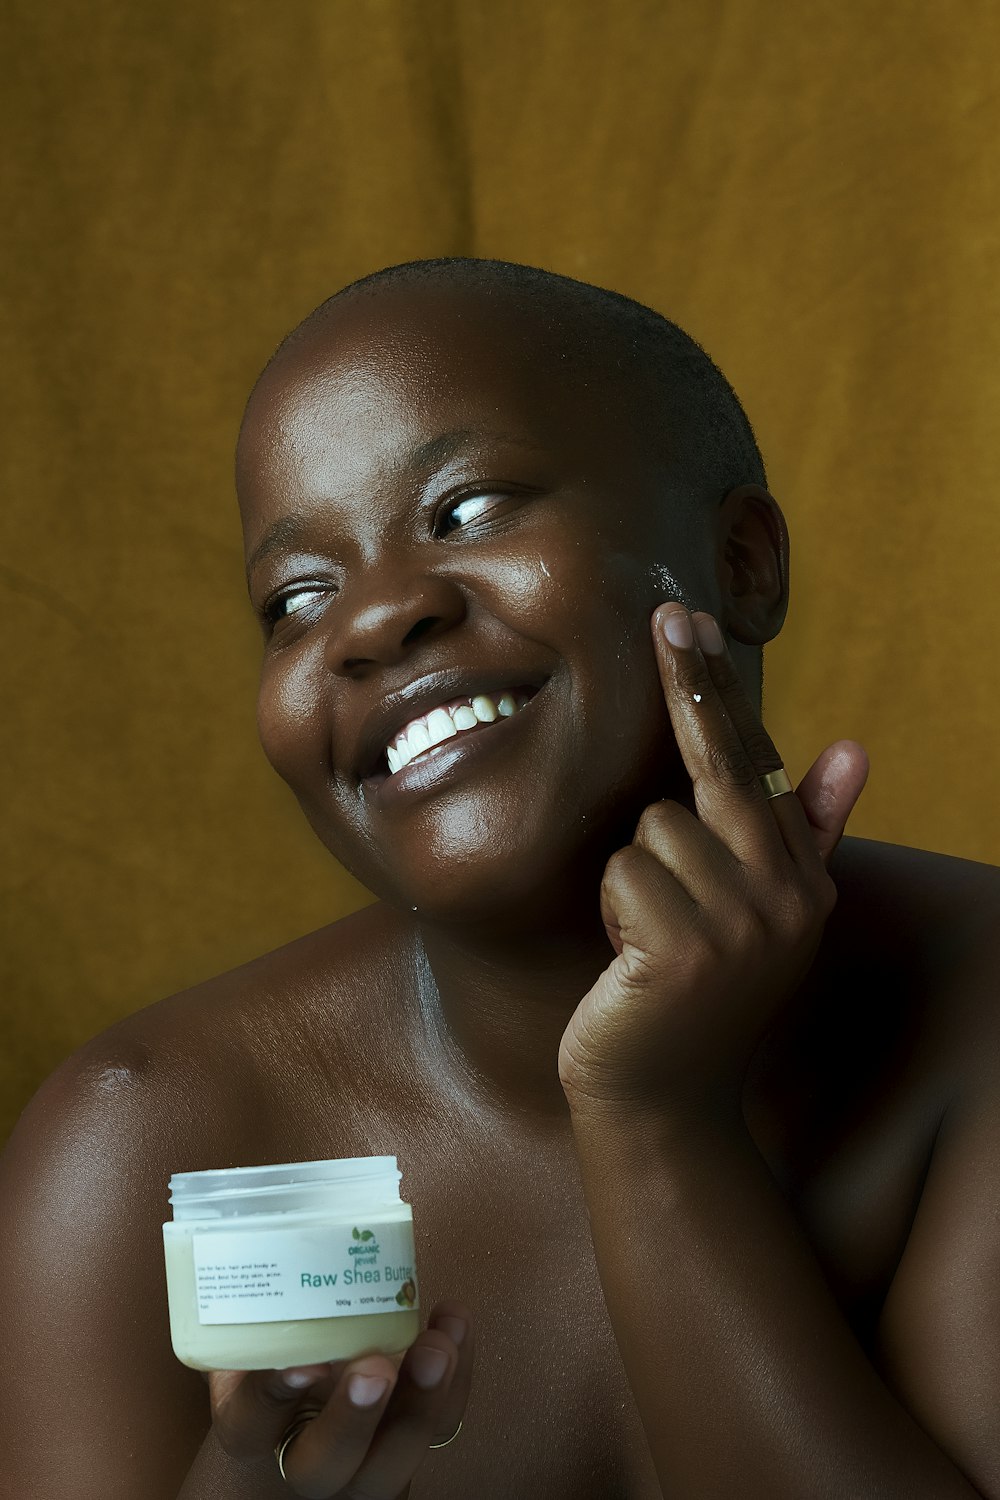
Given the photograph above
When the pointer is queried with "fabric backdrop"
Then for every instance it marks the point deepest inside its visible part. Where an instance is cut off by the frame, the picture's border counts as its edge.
(810, 190)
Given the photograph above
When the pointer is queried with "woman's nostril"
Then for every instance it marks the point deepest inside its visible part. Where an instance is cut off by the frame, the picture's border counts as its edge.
(419, 629)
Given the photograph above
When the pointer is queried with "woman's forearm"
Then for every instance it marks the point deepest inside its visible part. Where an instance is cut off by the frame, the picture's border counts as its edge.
(747, 1377)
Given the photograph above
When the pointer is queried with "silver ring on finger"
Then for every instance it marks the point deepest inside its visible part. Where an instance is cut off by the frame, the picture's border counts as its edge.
(447, 1440)
(283, 1446)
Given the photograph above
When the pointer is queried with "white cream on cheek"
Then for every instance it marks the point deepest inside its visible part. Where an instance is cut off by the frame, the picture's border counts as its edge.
(669, 586)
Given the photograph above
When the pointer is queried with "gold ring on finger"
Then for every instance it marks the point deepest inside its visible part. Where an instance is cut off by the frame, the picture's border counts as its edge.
(775, 783)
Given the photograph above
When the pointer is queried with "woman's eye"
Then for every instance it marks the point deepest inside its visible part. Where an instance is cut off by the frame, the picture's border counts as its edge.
(468, 509)
(291, 603)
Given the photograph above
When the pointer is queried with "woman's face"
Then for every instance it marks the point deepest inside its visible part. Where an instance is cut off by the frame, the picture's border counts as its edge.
(426, 495)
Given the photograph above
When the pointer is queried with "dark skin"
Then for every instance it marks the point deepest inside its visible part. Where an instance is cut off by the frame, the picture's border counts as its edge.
(700, 1138)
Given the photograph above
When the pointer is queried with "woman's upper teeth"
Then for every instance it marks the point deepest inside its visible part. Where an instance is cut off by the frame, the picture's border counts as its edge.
(449, 720)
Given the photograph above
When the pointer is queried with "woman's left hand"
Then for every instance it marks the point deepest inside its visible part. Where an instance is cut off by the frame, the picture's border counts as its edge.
(716, 918)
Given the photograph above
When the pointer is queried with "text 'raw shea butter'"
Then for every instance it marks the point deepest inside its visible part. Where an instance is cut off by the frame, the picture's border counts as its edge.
(290, 1265)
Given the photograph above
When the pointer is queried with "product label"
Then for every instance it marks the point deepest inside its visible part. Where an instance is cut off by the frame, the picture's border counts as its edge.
(278, 1275)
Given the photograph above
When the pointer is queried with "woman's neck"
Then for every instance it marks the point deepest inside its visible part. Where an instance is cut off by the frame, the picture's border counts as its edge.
(493, 1005)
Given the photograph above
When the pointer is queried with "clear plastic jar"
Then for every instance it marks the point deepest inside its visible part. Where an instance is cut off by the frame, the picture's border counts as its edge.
(294, 1264)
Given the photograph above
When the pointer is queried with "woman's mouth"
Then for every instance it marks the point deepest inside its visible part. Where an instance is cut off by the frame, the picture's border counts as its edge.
(429, 747)
(449, 720)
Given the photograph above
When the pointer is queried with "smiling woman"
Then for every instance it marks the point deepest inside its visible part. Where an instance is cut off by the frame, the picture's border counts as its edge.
(690, 1195)
(409, 457)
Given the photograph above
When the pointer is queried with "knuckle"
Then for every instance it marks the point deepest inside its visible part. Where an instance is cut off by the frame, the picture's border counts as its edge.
(822, 894)
(744, 925)
(790, 910)
(799, 905)
(621, 865)
(725, 675)
(655, 819)
(732, 765)
(616, 861)
(640, 969)
(272, 1396)
(692, 671)
(760, 749)
(647, 821)
(237, 1425)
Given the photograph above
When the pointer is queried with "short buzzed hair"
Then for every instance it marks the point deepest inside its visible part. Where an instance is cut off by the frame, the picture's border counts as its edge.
(685, 406)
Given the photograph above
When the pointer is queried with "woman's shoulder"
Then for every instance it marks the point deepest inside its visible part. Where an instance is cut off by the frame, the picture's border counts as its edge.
(191, 1082)
(242, 1068)
(920, 930)
(260, 1007)
(928, 923)
(203, 1068)
(897, 885)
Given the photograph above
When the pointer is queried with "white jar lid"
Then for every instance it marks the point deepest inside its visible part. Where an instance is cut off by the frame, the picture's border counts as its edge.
(345, 1183)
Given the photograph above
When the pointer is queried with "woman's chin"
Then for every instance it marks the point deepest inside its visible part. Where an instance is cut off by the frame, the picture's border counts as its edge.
(524, 870)
(524, 892)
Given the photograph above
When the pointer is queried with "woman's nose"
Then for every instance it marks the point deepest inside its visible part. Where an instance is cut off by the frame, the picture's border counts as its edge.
(380, 622)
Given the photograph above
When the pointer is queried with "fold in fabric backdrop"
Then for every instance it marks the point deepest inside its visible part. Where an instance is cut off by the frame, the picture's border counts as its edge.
(810, 192)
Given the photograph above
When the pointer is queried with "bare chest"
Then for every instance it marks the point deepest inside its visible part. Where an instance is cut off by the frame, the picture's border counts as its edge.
(501, 1223)
(844, 1110)
(551, 1411)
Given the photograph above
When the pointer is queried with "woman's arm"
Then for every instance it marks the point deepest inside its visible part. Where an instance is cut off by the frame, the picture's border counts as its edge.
(747, 1377)
(95, 1404)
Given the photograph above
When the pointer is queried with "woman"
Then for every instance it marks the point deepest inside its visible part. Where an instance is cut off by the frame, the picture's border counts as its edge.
(690, 1096)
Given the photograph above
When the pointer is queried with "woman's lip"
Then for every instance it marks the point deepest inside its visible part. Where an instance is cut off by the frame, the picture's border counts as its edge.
(443, 761)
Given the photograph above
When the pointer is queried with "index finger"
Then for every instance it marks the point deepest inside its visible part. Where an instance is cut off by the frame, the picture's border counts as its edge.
(726, 748)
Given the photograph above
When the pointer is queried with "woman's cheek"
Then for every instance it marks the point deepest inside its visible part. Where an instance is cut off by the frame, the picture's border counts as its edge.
(287, 721)
(538, 588)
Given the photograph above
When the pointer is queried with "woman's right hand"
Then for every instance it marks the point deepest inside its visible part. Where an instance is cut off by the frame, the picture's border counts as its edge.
(373, 1448)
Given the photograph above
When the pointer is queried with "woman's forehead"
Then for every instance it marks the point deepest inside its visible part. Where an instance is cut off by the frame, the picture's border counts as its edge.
(379, 392)
(421, 342)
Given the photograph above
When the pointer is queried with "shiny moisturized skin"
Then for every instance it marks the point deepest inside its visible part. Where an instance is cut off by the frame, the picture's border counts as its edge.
(382, 1028)
(425, 487)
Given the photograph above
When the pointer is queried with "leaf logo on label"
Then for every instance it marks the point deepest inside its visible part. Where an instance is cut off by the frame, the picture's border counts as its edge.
(363, 1234)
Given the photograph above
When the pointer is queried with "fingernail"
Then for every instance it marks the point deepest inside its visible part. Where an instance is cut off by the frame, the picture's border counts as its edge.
(677, 627)
(427, 1366)
(297, 1380)
(453, 1327)
(366, 1390)
(709, 636)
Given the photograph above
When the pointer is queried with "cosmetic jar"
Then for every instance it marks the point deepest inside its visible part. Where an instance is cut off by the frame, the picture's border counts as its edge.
(287, 1265)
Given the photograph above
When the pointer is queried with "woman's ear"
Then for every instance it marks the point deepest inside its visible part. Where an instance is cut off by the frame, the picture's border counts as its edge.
(751, 559)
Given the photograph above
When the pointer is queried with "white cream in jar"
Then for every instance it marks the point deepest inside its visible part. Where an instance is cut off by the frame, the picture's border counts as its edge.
(293, 1264)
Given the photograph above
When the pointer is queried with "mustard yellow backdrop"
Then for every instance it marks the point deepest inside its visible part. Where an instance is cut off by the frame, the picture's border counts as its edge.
(810, 189)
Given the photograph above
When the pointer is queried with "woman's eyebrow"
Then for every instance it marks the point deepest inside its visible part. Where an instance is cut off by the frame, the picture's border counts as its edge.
(430, 454)
(437, 450)
(286, 529)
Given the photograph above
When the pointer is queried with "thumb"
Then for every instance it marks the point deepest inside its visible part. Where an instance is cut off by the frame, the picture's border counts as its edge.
(829, 790)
